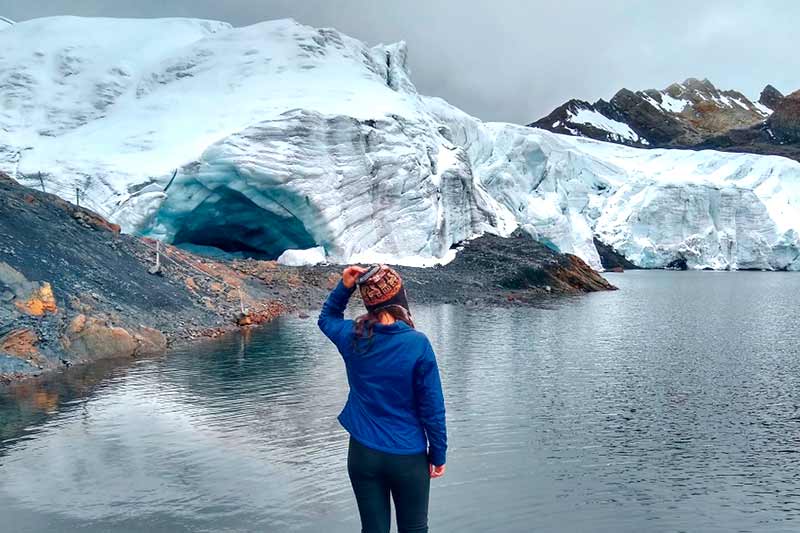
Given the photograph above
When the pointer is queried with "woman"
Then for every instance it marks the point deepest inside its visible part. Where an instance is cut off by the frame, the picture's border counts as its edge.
(395, 410)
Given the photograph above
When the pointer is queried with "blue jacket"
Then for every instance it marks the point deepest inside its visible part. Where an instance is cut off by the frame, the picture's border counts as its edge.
(395, 403)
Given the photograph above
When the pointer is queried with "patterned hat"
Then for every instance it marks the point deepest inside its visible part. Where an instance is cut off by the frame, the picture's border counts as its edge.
(383, 288)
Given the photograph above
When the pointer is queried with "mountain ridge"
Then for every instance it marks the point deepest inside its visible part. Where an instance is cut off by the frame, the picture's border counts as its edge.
(693, 114)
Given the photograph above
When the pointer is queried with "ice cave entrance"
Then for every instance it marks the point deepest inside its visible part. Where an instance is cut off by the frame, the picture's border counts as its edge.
(229, 222)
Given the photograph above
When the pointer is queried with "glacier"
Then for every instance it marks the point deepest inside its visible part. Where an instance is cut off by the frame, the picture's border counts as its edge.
(284, 141)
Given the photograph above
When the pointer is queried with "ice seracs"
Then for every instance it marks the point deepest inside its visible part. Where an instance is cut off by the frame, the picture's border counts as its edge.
(304, 145)
(706, 209)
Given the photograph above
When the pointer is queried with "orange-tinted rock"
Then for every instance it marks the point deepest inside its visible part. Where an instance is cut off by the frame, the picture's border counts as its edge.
(20, 343)
(93, 338)
(151, 341)
(39, 302)
(77, 324)
(265, 312)
(92, 219)
(576, 276)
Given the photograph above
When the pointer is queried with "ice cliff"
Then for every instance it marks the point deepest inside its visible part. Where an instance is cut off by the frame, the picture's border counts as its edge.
(278, 136)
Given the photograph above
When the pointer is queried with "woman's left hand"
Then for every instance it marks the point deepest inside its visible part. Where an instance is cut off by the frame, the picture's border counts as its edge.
(437, 471)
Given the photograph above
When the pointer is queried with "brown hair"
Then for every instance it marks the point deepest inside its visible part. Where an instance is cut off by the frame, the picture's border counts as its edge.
(366, 322)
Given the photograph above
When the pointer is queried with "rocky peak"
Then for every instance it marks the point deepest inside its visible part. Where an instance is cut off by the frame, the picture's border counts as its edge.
(770, 97)
(692, 85)
(785, 121)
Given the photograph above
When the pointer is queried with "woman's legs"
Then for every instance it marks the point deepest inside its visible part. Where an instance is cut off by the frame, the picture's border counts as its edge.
(409, 483)
(365, 467)
(375, 474)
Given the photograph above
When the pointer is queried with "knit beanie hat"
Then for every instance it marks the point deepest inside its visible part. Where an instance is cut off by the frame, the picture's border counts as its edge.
(383, 288)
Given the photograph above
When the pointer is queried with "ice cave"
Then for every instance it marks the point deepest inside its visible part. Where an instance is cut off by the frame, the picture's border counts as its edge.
(229, 221)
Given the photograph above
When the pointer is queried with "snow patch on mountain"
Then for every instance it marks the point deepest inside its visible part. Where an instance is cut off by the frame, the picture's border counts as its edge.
(618, 130)
(668, 103)
(761, 108)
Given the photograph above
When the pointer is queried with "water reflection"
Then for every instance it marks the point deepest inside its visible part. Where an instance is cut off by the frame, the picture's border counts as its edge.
(669, 405)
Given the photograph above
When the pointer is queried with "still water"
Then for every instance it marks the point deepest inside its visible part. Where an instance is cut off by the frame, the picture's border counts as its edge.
(670, 405)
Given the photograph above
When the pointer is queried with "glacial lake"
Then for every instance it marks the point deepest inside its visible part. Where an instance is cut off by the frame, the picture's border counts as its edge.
(670, 405)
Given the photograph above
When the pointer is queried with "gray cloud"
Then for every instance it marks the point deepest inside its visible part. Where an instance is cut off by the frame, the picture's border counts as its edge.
(515, 60)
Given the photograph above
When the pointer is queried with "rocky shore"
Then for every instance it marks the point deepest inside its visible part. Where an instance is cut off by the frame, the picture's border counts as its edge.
(73, 289)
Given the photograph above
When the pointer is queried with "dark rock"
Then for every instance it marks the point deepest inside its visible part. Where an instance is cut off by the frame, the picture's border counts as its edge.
(678, 263)
(658, 127)
(771, 97)
(611, 259)
(785, 121)
(493, 267)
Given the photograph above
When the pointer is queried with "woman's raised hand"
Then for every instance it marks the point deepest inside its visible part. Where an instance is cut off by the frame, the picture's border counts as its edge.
(437, 471)
(351, 274)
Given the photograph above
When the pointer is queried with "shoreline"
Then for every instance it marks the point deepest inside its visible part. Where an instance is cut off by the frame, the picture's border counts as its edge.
(74, 289)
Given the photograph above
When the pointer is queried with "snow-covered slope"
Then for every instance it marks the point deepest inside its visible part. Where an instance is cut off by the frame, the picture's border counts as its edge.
(279, 136)
(284, 136)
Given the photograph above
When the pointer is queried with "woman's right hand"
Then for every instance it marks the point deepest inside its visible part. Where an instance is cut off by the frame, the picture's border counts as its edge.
(351, 274)
(436, 471)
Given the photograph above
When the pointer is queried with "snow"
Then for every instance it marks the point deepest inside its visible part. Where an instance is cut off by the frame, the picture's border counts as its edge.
(741, 104)
(310, 256)
(370, 258)
(723, 100)
(307, 145)
(761, 108)
(618, 130)
(671, 104)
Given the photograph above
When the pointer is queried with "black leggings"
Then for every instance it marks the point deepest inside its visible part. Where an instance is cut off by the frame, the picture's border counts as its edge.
(374, 475)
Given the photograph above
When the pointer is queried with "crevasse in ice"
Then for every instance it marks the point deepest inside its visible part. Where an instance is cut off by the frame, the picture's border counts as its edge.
(284, 137)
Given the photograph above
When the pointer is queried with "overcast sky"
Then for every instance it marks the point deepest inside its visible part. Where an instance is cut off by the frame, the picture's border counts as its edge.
(515, 60)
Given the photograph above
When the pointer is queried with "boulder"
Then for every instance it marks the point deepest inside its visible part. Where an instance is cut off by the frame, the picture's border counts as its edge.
(150, 341)
(92, 338)
(29, 297)
(20, 342)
